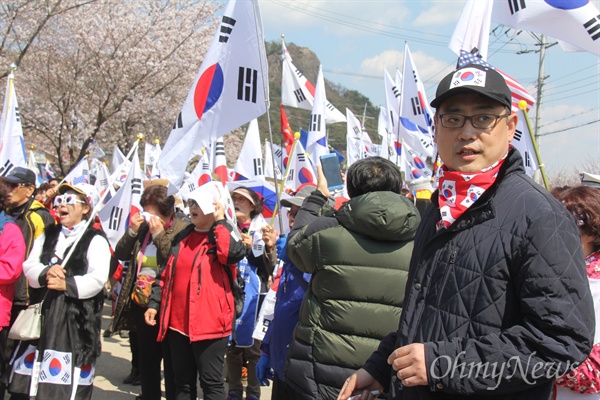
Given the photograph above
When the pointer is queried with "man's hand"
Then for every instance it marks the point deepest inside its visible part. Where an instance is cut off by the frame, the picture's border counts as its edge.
(247, 239)
(409, 362)
(150, 316)
(136, 221)
(362, 383)
(322, 182)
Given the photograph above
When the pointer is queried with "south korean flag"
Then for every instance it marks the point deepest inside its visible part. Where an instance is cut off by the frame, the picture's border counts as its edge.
(473, 193)
(448, 190)
(56, 367)
(446, 216)
(86, 374)
(24, 364)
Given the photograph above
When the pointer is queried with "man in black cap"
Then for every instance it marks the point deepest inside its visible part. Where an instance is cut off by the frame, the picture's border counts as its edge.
(33, 218)
(497, 303)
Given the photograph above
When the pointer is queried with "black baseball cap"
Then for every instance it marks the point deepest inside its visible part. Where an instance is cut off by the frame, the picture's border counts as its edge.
(473, 78)
(21, 175)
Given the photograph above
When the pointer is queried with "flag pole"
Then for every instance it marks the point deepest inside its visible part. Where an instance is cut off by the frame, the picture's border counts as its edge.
(285, 176)
(98, 206)
(9, 90)
(523, 107)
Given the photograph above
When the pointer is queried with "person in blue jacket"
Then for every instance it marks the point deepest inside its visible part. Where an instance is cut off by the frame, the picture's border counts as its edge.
(290, 292)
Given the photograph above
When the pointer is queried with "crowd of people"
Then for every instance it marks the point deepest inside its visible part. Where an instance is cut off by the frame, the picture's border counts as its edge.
(488, 289)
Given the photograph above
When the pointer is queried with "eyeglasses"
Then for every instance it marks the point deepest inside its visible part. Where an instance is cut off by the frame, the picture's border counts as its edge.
(14, 185)
(479, 121)
(67, 199)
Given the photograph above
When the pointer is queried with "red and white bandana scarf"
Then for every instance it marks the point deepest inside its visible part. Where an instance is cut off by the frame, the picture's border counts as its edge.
(459, 190)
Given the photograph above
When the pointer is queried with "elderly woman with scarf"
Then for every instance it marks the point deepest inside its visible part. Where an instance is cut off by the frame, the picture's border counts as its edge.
(69, 344)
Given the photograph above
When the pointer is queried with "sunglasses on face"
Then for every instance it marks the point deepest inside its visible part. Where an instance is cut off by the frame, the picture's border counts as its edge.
(14, 185)
(67, 199)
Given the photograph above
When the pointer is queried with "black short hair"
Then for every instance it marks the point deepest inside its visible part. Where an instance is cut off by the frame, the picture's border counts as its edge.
(373, 174)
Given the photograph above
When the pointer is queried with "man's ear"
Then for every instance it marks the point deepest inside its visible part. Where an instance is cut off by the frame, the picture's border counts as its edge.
(511, 124)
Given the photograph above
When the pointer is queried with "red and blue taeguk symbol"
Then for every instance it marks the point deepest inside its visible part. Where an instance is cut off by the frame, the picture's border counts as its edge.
(208, 89)
(567, 4)
(419, 163)
(29, 360)
(415, 174)
(473, 196)
(447, 193)
(86, 370)
(305, 176)
(55, 367)
(467, 76)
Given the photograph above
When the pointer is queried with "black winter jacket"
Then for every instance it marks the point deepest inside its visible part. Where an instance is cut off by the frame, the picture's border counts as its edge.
(500, 299)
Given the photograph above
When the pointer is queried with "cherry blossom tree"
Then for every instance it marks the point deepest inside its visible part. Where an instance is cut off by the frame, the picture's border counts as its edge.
(107, 70)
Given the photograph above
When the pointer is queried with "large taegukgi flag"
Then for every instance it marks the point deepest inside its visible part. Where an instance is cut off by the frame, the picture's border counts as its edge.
(298, 92)
(12, 145)
(249, 164)
(522, 141)
(575, 23)
(229, 90)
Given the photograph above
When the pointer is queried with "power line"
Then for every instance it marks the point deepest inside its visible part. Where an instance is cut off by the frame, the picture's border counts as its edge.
(569, 128)
(569, 117)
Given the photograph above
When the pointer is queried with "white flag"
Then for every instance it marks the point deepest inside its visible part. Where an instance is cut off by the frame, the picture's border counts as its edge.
(102, 176)
(12, 145)
(416, 167)
(117, 212)
(300, 170)
(49, 171)
(522, 142)
(249, 164)
(151, 154)
(316, 142)
(273, 151)
(199, 176)
(415, 113)
(355, 141)
(117, 159)
(576, 22)
(229, 90)
(80, 173)
(473, 28)
(298, 92)
(32, 165)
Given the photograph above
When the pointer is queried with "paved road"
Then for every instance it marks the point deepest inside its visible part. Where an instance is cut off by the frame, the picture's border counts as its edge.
(114, 365)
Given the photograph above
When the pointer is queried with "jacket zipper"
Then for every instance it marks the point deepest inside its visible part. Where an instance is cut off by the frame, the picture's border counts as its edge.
(446, 273)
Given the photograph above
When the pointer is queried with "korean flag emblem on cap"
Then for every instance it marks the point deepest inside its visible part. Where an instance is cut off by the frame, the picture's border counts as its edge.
(468, 77)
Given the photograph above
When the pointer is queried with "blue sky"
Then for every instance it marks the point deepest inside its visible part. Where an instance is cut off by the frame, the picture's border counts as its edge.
(354, 40)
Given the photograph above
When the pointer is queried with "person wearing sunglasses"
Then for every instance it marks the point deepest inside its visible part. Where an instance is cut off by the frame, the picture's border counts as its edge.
(73, 299)
(33, 219)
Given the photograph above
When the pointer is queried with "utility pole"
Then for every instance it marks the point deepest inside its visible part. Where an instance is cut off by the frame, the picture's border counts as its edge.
(540, 87)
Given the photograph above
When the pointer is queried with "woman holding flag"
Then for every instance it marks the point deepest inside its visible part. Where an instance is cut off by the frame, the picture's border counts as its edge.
(69, 344)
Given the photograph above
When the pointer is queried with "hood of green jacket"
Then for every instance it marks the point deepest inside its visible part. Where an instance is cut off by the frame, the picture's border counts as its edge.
(380, 215)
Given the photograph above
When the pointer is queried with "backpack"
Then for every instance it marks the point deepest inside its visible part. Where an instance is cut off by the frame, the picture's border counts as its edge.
(239, 295)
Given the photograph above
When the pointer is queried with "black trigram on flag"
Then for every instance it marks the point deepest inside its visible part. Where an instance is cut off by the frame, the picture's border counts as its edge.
(191, 187)
(300, 97)
(518, 135)
(516, 5)
(396, 91)
(66, 377)
(104, 182)
(220, 149)
(278, 153)
(258, 168)
(114, 222)
(178, 122)
(392, 118)
(136, 186)
(17, 114)
(315, 122)
(6, 168)
(356, 130)
(593, 27)
(205, 166)
(291, 175)
(416, 105)
(527, 159)
(247, 79)
(301, 157)
(330, 106)
(415, 76)
(226, 28)
(298, 73)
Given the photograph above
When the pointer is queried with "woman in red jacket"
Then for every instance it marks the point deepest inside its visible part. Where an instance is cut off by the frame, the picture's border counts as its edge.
(195, 300)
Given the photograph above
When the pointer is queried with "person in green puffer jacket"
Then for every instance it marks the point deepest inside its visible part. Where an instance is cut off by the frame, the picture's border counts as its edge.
(359, 257)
